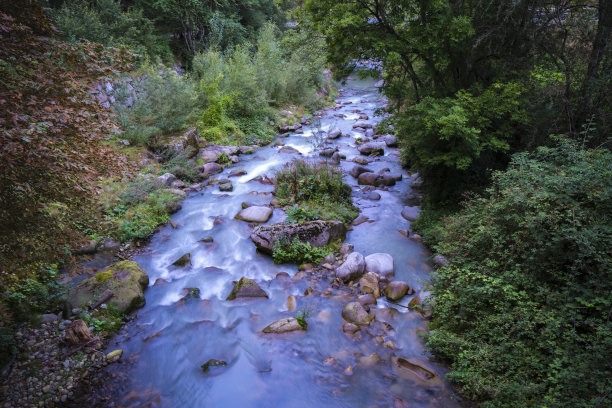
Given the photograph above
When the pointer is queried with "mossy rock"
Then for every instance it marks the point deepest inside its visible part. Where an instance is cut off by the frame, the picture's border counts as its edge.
(125, 279)
(246, 288)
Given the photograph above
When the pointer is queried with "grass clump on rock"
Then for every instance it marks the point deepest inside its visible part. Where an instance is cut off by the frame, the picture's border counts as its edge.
(318, 188)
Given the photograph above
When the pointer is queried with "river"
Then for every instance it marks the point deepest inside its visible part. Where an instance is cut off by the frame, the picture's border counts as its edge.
(168, 341)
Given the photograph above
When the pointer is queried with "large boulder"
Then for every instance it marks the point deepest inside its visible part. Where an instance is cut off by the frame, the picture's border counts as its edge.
(396, 290)
(317, 233)
(334, 133)
(380, 264)
(411, 213)
(352, 269)
(358, 169)
(166, 179)
(284, 325)
(362, 124)
(390, 140)
(212, 153)
(355, 313)
(210, 168)
(369, 284)
(255, 213)
(372, 149)
(125, 280)
(189, 141)
(246, 288)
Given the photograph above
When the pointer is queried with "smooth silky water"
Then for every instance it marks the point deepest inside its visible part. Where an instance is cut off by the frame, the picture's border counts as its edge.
(168, 341)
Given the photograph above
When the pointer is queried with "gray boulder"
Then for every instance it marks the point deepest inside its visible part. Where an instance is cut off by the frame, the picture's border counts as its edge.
(352, 269)
(334, 133)
(380, 264)
(355, 313)
(212, 153)
(210, 168)
(317, 233)
(359, 169)
(439, 261)
(166, 179)
(390, 140)
(362, 124)
(255, 214)
(372, 149)
(411, 213)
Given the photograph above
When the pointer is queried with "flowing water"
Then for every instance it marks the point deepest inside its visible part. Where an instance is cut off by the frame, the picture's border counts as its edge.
(170, 339)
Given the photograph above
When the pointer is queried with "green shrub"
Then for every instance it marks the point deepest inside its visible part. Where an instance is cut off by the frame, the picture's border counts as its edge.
(299, 214)
(105, 22)
(104, 321)
(165, 103)
(523, 311)
(318, 187)
(180, 164)
(298, 252)
(35, 293)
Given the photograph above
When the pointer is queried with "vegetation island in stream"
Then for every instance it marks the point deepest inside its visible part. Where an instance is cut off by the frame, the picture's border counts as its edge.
(424, 185)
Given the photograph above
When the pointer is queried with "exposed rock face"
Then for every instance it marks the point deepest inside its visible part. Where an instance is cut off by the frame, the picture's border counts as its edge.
(125, 279)
(289, 150)
(352, 268)
(287, 324)
(246, 288)
(380, 264)
(212, 153)
(419, 302)
(372, 148)
(226, 185)
(255, 214)
(317, 233)
(410, 213)
(415, 369)
(190, 140)
(396, 290)
(355, 313)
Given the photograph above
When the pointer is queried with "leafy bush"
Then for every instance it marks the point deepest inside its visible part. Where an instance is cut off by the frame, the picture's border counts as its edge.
(317, 186)
(35, 292)
(241, 85)
(181, 165)
(105, 22)
(299, 214)
(298, 252)
(162, 102)
(450, 141)
(523, 310)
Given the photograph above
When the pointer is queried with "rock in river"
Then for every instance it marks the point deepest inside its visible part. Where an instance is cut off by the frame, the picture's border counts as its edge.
(284, 325)
(255, 214)
(352, 268)
(246, 288)
(125, 279)
(396, 290)
(410, 213)
(373, 148)
(355, 313)
(380, 264)
(317, 233)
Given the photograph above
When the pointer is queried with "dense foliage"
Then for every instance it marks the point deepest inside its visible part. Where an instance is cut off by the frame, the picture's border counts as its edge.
(476, 89)
(316, 187)
(473, 82)
(523, 310)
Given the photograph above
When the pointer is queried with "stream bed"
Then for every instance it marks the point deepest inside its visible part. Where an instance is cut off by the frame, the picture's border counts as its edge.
(166, 344)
